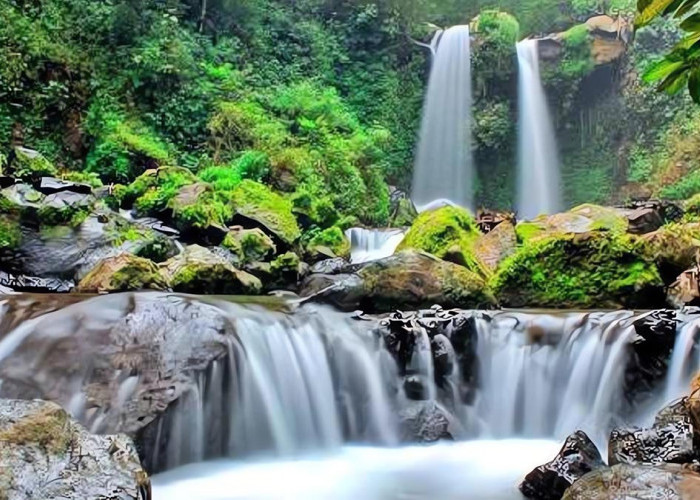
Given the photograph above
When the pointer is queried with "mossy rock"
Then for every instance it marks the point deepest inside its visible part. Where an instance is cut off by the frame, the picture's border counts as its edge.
(412, 279)
(446, 232)
(150, 192)
(674, 247)
(65, 208)
(30, 165)
(21, 199)
(10, 233)
(590, 270)
(257, 203)
(581, 219)
(123, 273)
(404, 213)
(332, 239)
(198, 270)
(492, 248)
(198, 213)
(251, 245)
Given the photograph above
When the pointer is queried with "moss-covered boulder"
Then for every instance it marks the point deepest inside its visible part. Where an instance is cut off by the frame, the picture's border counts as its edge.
(446, 232)
(30, 165)
(199, 213)
(674, 247)
(403, 213)
(329, 243)
(405, 280)
(198, 270)
(273, 213)
(581, 219)
(493, 247)
(250, 245)
(10, 234)
(150, 193)
(589, 270)
(65, 208)
(122, 273)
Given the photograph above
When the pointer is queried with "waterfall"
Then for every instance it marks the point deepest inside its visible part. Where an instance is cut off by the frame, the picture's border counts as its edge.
(373, 244)
(443, 166)
(538, 159)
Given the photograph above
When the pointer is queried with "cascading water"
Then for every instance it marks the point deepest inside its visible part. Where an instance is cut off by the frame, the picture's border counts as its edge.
(307, 383)
(372, 244)
(538, 159)
(443, 166)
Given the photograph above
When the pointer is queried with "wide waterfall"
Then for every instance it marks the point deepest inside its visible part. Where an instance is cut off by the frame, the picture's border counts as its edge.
(538, 159)
(201, 378)
(372, 244)
(443, 166)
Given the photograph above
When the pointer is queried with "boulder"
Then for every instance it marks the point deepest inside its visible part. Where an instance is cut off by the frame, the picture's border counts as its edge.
(122, 273)
(249, 245)
(500, 242)
(577, 457)
(638, 482)
(581, 219)
(685, 291)
(446, 232)
(31, 165)
(329, 266)
(598, 269)
(331, 240)
(198, 270)
(401, 209)
(674, 248)
(427, 422)
(198, 215)
(51, 185)
(45, 454)
(21, 197)
(22, 283)
(65, 207)
(406, 280)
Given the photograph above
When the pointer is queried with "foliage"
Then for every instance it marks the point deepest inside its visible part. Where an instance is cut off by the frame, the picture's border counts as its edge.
(332, 238)
(10, 235)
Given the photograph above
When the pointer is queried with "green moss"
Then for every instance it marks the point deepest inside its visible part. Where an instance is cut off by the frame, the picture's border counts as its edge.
(332, 238)
(123, 273)
(71, 216)
(589, 270)
(445, 231)
(258, 202)
(10, 234)
(255, 245)
(673, 247)
(31, 166)
(198, 207)
(150, 192)
(89, 178)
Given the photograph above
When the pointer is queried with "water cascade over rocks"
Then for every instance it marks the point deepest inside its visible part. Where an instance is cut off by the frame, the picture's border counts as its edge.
(192, 379)
(443, 166)
(538, 159)
(367, 245)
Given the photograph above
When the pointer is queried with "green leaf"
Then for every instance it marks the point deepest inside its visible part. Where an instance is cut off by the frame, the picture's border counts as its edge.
(675, 81)
(651, 11)
(685, 8)
(694, 85)
(687, 42)
(691, 23)
(661, 69)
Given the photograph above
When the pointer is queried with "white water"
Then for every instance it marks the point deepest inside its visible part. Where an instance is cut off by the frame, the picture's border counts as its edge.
(538, 159)
(443, 166)
(367, 245)
(479, 470)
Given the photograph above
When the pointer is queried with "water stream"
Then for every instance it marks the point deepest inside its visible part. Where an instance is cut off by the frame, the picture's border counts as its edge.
(373, 244)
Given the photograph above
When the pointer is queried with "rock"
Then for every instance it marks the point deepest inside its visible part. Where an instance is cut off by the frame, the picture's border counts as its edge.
(44, 452)
(65, 207)
(31, 165)
(124, 272)
(405, 280)
(670, 440)
(257, 204)
(198, 270)
(685, 291)
(644, 220)
(445, 231)
(492, 248)
(21, 283)
(579, 220)
(401, 209)
(329, 266)
(158, 226)
(51, 185)
(673, 248)
(249, 245)
(196, 214)
(638, 482)
(21, 197)
(599, 269)
(577, 457)
(427, 422)
(332, 239)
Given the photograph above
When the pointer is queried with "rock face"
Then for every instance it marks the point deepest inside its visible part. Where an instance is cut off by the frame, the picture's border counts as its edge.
(638, 482)
(197, 269)
(405, 280)
(578, 457)
(45, 454)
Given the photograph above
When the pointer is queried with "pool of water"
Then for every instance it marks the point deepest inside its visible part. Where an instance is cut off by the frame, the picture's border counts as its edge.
(479, 470)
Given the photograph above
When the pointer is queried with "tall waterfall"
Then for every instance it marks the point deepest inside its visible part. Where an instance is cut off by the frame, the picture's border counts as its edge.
(443, 166)
(538, 159)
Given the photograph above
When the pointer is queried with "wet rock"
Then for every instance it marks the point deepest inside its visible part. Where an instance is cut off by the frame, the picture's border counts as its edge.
(403, 211)
(638, 482)
(46, 454)
(427, 422)
(344, 291)
(500, 242)
(576, 458)
(158, 226)
(673, 248)
(22, 197)
(22, 283)
(198, 270)
(670, 440)
(685, 291)
(329, 266)
(122, 273)
(443, 357)
(51, 185)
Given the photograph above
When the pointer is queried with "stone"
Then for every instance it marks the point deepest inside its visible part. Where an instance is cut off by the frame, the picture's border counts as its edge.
(44, 452)
(577, 457)
(685, 291)
(492, 248)
(124, 272)
(198, 270)
(196, 214)
(427, 422)
(22, 283)
(30, 165)
(51, 185)
(250, 245)
(638, 482)
(329, 266)
(22, 197)
(579, 220)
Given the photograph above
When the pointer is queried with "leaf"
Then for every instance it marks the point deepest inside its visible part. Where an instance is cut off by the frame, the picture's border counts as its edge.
(654, 9)
(685, 8)
(687, 42)
(661, 69)
(694, 85)
(691, 23)
(675, 81)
